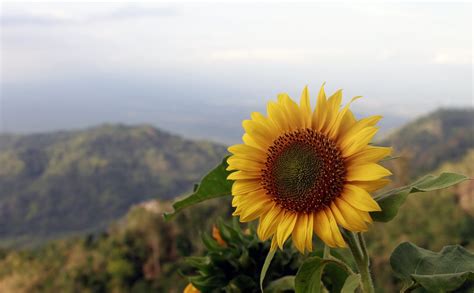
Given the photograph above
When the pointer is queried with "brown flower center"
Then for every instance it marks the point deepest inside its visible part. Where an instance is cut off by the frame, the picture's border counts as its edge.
(304, 171)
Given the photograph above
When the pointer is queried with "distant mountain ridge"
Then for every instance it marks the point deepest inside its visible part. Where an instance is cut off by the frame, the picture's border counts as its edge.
(68, 181)
(446, 135)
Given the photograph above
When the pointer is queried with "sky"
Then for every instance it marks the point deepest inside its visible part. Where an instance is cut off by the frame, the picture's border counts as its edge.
(198, 69)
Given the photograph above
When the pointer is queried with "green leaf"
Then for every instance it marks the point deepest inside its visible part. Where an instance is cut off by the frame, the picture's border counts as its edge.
(210, 243)
(351, 284)
(266, 265)
(308, 278)
(391, 201)
(334, 277)
(280, 285)
(228, 234)
(441, 271)
(214, 184)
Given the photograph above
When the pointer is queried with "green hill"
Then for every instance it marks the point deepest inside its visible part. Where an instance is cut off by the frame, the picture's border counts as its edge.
(446, 135)
(77, 181)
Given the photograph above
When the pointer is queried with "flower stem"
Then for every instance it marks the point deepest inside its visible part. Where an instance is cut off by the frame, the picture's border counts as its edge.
(358, 248)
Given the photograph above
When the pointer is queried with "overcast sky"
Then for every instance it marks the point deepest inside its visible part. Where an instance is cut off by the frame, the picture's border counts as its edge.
(73, 65)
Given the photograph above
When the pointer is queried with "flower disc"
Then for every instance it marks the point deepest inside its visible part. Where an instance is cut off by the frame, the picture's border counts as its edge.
(304, 171)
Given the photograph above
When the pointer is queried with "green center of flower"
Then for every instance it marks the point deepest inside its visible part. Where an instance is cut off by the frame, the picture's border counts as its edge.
(304, 171)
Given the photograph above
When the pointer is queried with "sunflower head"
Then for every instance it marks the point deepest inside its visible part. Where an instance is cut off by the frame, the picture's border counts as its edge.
(303, 171)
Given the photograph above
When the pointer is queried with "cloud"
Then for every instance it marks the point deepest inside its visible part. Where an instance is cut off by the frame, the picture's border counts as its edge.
(128, 12)
(267, 54)
(63, 15)
(453, 56)
(37, 17)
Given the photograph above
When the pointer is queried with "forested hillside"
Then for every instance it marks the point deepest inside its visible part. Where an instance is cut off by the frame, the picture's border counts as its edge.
(446, 135)
(76, 181)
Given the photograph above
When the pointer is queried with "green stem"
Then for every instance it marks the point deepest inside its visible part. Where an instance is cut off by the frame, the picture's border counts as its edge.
(358, 248)
(363, 247)
(341, 264)
(326, 251)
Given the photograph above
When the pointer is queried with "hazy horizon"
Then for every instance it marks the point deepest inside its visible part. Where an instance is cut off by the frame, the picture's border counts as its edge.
(199, 69)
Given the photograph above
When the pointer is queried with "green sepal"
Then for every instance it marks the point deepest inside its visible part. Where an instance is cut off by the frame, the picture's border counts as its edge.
(266, 265)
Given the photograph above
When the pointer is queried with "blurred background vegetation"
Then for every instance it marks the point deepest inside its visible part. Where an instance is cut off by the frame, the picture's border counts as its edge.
(81, 211)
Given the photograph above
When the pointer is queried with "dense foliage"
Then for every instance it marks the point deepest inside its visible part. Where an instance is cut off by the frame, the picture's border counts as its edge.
(139, 253)
(66, 182)
(234, 260)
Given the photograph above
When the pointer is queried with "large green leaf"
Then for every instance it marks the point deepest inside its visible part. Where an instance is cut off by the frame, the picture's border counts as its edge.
(351, 284)
(214, 184)
(391, 201)
(308, 278)
(440, 271)
(282, 284)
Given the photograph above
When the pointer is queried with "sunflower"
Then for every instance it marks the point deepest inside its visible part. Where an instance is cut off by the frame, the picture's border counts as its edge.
(301, 171)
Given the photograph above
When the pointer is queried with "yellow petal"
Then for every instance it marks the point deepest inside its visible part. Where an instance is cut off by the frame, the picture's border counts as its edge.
(249, 152)
(244, 175)
(309, 232)
(252, 210)
(277, 114)
(351, 216)
(365, 216)
(245, 186)
(269, 222)
(336, 233)
(191, 289)
(260, 134)
(284, 229)
(358, 126)
(371, 185)
(292, 110)
(236, 163)
(299, 233)
(322, 228)
(305, 108)
(320, 113)
(359, 198)
(370, 154)
(367, 172)
(254, 197)
(333, 105)
(258, 128)
(347, 122)
(268, 123)
(235, 201)
(341, 220)
(358, 141)
(334, 129)
(248, 140)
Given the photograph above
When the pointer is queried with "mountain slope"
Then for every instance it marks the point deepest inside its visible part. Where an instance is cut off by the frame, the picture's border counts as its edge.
(81, 180)
(445, 135)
